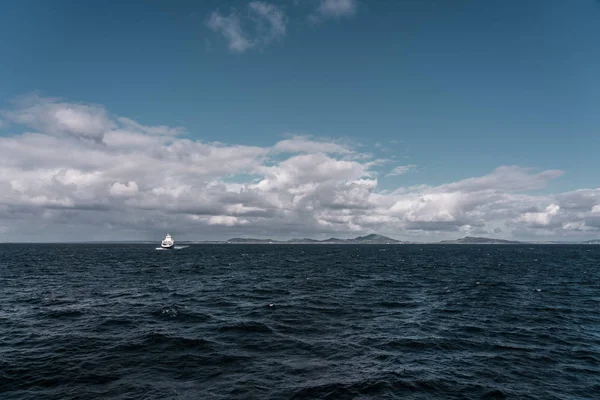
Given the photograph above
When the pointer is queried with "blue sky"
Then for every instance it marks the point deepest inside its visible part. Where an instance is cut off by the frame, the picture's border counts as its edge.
(455, 87)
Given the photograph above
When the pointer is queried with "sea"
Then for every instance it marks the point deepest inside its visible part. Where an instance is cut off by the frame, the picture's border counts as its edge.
(128, 321)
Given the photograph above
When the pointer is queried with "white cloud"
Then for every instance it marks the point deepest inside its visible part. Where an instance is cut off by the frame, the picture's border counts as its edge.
(263, 24)
(230, 27)
(579, 200)
(336, 8)
(62, 119)
(119, 189)
(505, 178)
(226, 220)
(133, 180)
(303, 144)
(543, 218)
(275, 18)
(152, 130)
(401, 169)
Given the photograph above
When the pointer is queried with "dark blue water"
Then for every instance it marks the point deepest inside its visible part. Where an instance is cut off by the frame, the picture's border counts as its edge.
(346, 322)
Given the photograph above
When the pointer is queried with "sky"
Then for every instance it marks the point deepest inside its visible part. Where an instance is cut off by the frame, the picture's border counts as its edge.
(422, 120)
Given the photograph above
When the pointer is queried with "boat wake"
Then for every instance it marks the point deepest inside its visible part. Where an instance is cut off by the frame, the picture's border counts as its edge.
(168, 243)
(174, 248)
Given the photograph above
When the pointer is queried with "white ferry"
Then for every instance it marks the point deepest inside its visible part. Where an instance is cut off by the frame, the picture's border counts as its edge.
(167, 242)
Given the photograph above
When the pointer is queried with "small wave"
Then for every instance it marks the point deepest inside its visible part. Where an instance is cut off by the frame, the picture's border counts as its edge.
(472, 329)
(426, 344)
(167, 311)
(357, 389)
(249, 327)
(164, 343)
(451, 311)
(585, 356)
(64, 313)
(176, 342)
(116, 322)
(494, 394)
(510, 347)
(54, 301)
(173, 312)
(396, 304)
(97, 379)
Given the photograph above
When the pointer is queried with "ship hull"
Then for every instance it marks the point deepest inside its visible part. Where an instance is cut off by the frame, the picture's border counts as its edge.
(167, 242)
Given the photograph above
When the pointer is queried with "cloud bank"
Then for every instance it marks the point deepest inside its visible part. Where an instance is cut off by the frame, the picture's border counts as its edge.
(75, 171)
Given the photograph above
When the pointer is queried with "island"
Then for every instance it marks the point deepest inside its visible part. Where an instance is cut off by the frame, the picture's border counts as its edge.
(479, 240)
(380, 239)
(368, 239)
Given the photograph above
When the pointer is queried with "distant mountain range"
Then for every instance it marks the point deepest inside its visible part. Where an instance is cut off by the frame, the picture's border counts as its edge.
(479, 240)
(380, 239)
(369, 239)
(484, 240)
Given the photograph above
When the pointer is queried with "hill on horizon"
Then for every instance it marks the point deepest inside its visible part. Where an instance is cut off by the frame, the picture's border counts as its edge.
(367, 239)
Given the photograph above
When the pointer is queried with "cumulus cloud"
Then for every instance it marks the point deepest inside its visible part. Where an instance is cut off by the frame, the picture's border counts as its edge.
(128, 180)
(123, 189)
(263, 24)
(59, 118)
(540, 219)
